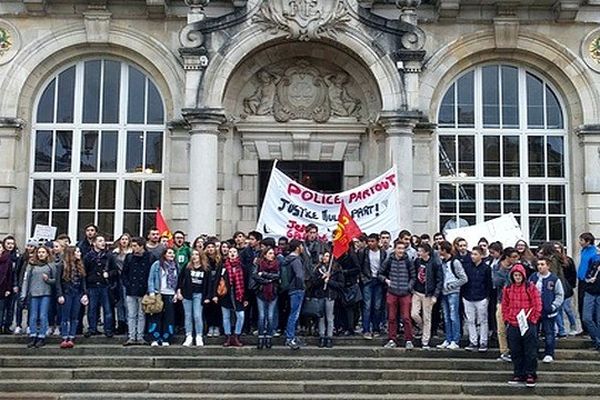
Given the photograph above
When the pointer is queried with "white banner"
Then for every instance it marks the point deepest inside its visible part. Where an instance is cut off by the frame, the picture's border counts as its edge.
(288, 207)
(44, 232)
(504, 229)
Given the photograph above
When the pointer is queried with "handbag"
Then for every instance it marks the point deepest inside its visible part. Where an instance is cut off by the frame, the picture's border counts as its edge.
(351, 295)
(152, 304)
(222, 287)
(313, 307)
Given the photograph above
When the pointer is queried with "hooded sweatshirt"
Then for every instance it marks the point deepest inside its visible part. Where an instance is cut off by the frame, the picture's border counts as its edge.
(5, 273)
(522, 296)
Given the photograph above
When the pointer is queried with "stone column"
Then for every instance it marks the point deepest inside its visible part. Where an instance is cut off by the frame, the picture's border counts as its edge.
(589, 137)
(399, 128)
(10, 129)
(204, 146)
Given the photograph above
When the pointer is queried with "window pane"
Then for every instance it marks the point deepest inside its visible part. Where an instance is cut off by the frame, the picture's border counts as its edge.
(556, 199)
(558, 229)
(135, 151)
(137, 96)
(512, 199)
(112, 83)
(45, 111)
(106, 222)
(491, 195)
(510, 155)
(447, 156)
(466, 199)
(108, 156)
(537, 230)
(154, 150)
(152, 195)
(87, 194)
(466, 155)
(91, 92)
(149, 221)
(133, 195)
(535, 102)
(446, 115)
(553, 111)
(131, 223)
(155, 106)
(63, 151)
(60, 198)
(491, 107)
(39, 217)
(61, 221)
(41, 194)
(537, 199)
(66, 95)
(106, 195)
(43, 151)
(491, 155)
(447, 198)
(510, 97)
(89, 151)
(535, 146)
(555, 156)
(466, 115)
(84, 218)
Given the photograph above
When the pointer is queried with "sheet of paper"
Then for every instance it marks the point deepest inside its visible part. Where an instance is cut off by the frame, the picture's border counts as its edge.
(523, 324)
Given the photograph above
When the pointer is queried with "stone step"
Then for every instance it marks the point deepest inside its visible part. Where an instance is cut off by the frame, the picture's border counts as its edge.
(298, 387)
(270, 374)
(289, 362)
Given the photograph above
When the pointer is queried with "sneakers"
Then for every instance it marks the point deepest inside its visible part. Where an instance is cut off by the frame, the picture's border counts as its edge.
(368, 336)
(425, 346)
(31, 342)
(130, 342)
(292, 344)
(188, 341)
(572, 332)
(530, 381)
(471, 347)
(165, 344)
(409, 345)
(516, 380)
(390, 344)
(155, 344)
(18, 330)
(453, 346)
(443, 345)
(199, 341)
(56, 331)
(505, 357)
(548, 359)
(64, 344)
(40, 343)
(483, 349)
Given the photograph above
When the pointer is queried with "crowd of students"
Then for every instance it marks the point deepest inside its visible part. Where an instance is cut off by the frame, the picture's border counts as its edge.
(151, 289)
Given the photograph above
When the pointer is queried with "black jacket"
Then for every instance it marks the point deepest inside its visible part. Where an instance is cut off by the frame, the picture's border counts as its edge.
(334, 286)
(297, 272)
(96, 263)
(185, 282)
(434, 276)
(136, 269)
(593, 271)
(350, 263)
(365, 273)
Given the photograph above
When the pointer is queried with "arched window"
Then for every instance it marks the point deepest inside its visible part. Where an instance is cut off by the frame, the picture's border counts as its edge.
(97, 150)
(502, 149)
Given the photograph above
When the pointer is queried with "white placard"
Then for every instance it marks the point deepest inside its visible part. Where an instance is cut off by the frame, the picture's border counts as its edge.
(504, 229)
(288, 207)
(522, 320)
(44, 232)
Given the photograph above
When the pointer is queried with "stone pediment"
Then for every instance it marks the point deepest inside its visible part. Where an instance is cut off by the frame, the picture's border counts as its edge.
(300, 89)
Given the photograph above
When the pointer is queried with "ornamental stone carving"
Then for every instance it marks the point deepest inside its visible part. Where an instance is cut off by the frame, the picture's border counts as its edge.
(302, 91)
(10, 42)
(303, 19)
(590, 49)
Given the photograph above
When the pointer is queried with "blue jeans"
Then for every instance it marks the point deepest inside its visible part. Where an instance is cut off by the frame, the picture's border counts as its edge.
(549, 329)
(70, 312)
(193, 315)
(38, 310)
(591, 316)
(266, 316)
(450, 305)
(99, 297)
(567, 307)
(372, 305)
(296, 299)
(239, 321)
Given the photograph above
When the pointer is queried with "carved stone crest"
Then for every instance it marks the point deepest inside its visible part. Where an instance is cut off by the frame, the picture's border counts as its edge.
(303, 19)
(302, 91)
(590, 49)
(10, 42)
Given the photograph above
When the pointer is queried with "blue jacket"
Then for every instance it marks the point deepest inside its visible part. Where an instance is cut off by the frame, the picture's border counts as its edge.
(479, 283)
(154, 278)
(552, 293)
(587, 254)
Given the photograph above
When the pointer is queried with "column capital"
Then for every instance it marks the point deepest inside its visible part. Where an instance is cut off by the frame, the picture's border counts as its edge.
(204, 120)
(399, 123)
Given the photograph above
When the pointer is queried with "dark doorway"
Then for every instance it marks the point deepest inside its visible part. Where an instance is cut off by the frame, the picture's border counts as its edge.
(321, 176)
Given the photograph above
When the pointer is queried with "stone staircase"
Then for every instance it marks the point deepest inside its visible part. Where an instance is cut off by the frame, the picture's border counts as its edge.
(101, 369)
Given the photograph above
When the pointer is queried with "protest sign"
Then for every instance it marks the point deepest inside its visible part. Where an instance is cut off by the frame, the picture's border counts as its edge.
(504, 229)
(288, 207)
(44, 232)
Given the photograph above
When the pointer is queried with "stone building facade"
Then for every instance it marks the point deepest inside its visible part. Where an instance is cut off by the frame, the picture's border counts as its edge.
(110, 108)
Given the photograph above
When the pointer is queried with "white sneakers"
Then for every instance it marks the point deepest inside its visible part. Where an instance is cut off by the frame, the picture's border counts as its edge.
(548, 359)
(154, 344)
(575, 332)
(443, 345)
(188, 341)
(453, 346)
(18, 330)
(199, 341)
(165, 344)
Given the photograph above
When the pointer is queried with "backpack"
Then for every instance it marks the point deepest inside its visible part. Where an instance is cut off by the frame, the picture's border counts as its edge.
(286, 275)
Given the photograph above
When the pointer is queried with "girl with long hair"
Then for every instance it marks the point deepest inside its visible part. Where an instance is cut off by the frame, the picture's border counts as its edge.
(193, 289)
(265, 276)
(163, 281)
(122, 247)
(72, 293)
(212, 261)
(526, 257)
(234, 300)
(327, 284)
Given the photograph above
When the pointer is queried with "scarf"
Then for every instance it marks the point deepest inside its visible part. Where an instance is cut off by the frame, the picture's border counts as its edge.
(271, 267)
(171, 274)
(236, 277)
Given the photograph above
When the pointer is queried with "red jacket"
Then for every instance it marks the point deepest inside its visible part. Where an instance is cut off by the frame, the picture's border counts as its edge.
(518, 297)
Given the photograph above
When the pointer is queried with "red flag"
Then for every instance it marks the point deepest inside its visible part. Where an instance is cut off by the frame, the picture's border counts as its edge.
(163, 228)
(347, 229)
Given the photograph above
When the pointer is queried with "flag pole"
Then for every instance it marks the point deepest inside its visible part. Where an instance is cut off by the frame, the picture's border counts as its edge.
(329, 270)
